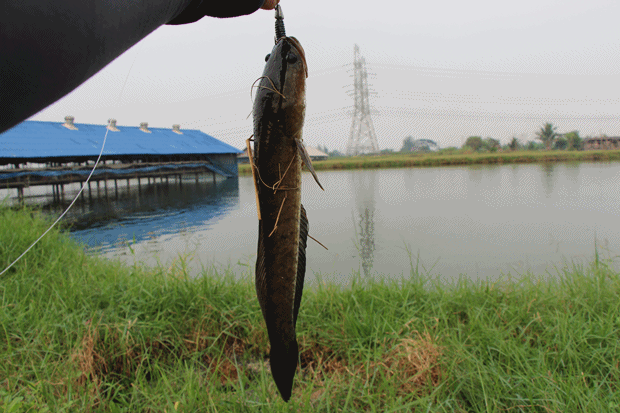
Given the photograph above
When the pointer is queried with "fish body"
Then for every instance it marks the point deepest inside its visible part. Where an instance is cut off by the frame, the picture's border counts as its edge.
(279, 109)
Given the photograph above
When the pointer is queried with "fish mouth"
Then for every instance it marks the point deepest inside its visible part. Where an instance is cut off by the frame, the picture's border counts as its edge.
(295, 43)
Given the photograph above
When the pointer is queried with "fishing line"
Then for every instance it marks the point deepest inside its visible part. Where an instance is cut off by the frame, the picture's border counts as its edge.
(66, 210)
(105, 137)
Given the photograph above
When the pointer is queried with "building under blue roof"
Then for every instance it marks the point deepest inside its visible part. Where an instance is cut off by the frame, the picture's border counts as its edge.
(66, 150)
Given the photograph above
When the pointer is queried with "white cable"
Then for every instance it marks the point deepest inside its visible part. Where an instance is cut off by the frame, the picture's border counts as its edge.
(66, 210)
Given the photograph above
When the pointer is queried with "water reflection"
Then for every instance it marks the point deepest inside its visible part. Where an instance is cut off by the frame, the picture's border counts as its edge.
(367, 239)
(548, 178)
(149, 211)
(571, 172)
(364, 190)
(482, 175)
(475, 174)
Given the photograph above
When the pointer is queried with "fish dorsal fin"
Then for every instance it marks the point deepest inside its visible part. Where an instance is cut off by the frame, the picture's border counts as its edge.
(307, 161)
(301, 261)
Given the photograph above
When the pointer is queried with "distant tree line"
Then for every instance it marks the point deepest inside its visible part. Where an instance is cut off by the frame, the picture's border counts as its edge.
(547, 135)
(547, 138)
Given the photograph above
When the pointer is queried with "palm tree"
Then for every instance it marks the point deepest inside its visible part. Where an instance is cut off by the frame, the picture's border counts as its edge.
(547, 135)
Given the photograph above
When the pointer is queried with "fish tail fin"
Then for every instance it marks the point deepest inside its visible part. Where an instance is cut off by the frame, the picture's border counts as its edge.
(283, 361)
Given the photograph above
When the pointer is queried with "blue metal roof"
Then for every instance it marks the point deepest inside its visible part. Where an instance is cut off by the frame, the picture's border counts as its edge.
(36, 139)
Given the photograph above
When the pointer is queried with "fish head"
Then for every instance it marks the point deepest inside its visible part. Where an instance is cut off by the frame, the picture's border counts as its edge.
(281, 94)
(293, 53)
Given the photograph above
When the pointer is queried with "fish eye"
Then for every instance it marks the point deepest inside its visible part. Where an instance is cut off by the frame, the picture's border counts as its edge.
(291, 58)
(267, 57)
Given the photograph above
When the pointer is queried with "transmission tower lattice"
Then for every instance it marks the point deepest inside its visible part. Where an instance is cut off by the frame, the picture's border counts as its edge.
(362, 138)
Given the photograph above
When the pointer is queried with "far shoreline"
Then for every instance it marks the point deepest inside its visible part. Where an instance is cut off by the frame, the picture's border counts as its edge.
(412, 160)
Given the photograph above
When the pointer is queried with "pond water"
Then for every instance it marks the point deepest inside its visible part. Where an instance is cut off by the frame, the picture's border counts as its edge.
(474, 221)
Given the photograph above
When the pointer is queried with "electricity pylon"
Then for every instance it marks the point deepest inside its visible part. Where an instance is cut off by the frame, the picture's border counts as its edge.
(362, 138)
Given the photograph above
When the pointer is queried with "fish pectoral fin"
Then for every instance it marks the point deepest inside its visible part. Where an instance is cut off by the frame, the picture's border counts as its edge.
(307, 161)
(301, 262)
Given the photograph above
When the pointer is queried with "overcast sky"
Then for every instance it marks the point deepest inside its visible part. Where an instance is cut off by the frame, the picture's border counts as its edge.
(442, 70)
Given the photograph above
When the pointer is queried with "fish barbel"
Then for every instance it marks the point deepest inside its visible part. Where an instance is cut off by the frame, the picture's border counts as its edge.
(279, 109)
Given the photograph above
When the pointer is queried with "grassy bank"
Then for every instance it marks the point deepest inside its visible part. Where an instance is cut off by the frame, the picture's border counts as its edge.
(446, 159)
(84, 334)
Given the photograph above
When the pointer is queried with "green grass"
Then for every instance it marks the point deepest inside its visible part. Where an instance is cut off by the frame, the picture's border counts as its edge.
(399, 160)
(79, 333)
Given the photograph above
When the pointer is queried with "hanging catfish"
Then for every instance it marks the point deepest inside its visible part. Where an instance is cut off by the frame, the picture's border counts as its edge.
(279, 109)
